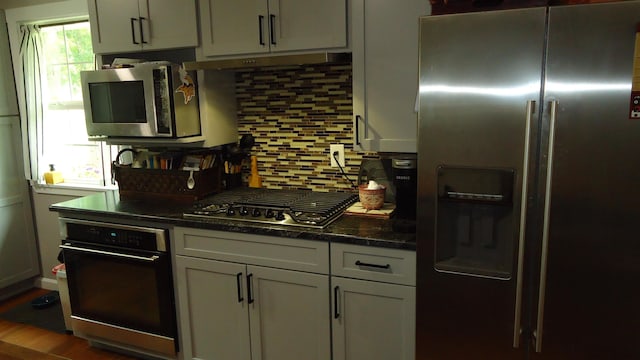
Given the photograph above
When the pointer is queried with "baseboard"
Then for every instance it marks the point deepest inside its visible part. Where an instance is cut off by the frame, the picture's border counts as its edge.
(45, 283)
(39, 282)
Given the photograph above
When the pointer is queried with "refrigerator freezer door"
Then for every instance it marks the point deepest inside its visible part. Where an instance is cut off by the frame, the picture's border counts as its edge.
(589, 287)
(479, 82)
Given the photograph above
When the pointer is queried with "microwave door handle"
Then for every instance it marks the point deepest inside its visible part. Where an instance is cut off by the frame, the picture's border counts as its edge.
(68, 246)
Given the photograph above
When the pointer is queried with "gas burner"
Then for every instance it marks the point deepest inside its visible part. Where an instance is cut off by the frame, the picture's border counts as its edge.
(278, 207)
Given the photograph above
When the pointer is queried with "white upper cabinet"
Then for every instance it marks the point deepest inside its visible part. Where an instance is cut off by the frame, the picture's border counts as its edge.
(120, 26)
(261, 26)
(385, 86)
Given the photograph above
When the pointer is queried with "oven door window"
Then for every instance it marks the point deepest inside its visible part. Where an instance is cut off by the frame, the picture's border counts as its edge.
(123, 291)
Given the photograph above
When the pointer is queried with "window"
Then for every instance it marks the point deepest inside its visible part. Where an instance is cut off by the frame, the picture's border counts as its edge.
(67, 51)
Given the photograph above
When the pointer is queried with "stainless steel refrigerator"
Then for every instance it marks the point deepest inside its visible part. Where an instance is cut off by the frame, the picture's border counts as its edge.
(528, 236)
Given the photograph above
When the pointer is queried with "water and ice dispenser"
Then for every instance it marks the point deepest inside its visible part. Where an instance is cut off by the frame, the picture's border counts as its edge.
(475, 221)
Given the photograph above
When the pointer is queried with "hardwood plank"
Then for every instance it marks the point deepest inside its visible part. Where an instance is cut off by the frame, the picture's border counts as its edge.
(35, 338)
(10, 351)
(21, 298)
(43, 341)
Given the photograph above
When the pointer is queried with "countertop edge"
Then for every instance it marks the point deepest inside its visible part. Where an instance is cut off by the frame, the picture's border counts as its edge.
(333, 233)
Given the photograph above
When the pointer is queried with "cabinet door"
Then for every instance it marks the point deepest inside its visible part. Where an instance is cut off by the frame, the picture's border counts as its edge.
(115, 26)
(234, 27)
(289, 314)
(307, 24)
(168, 24)
(214, 320)
(18, 254)
(133, 26)
(385, 86)
(373, 321)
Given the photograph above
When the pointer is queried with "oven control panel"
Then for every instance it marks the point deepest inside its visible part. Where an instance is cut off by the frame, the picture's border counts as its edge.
(117, 235)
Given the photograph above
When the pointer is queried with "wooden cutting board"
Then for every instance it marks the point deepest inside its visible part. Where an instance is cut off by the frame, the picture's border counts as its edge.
(385, 212)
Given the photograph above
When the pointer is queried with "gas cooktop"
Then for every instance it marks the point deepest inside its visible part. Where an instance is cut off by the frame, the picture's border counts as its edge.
(271, 206)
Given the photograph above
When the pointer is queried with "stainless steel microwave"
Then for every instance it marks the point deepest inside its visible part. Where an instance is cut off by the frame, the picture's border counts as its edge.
(146, 100)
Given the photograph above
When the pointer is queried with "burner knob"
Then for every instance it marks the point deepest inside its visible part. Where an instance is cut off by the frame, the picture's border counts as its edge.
(244, 211)
(230, 212)
(280, 215)
(269, 213)
(255, 212)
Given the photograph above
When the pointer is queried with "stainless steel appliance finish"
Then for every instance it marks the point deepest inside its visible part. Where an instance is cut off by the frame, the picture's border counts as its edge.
(120, 285)
(265, 61)
(528, 185)
(278, 207)
(147, 100)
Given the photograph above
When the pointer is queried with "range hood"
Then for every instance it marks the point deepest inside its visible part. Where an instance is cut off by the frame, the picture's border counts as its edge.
(280, 60)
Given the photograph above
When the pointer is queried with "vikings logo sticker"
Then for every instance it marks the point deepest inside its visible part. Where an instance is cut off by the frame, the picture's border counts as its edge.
(187, 88)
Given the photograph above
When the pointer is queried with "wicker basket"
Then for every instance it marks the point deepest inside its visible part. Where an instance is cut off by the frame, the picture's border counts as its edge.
(166, 184)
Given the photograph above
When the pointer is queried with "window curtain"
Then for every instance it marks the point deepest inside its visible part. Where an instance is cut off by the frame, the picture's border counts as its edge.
(31, 57)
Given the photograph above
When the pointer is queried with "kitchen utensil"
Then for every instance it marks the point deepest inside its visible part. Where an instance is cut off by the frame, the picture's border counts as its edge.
(254, 179)
(191, 183)
(247, 141)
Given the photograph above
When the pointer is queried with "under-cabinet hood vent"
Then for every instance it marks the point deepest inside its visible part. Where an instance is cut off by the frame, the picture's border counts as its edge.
(282, 60)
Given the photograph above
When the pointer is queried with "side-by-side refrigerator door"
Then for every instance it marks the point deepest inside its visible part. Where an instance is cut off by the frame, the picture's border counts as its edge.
(588, 306)
(480, 77)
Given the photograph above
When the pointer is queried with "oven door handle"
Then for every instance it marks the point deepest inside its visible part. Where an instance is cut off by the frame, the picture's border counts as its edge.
(68, 246)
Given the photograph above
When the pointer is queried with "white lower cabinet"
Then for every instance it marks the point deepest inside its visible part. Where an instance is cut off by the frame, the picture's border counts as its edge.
(372, 320)
(215, 324)
(244, 296)
(238, 310)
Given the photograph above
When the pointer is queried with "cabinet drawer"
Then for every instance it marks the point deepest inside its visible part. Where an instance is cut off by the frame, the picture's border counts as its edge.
(278, 252)
(373, 263)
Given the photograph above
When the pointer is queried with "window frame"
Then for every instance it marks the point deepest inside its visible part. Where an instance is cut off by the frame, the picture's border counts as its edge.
(107, 152)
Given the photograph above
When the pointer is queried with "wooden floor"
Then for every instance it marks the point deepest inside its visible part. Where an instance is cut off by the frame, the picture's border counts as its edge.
(49, 342)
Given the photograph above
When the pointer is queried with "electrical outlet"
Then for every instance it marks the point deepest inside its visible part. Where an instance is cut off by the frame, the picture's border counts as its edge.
(339, 148)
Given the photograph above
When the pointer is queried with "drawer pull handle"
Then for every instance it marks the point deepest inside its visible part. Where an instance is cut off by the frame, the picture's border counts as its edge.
(272, 28)
(336, 304)
(360, 263)
(249, 289)
(141, 30)
(239, 284)
(260, 24)
(133, 32)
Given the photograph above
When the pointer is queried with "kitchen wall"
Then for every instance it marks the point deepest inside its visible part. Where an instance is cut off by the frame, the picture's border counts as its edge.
(295, 113)
(45, 221)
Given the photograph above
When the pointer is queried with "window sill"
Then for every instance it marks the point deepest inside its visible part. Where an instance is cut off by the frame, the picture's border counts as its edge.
(70, 189)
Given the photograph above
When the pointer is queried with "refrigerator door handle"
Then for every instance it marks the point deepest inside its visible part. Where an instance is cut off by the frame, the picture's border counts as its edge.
(523, 222)
(545, 227)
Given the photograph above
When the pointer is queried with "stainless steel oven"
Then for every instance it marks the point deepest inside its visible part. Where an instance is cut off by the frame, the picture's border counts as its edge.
(120, 285)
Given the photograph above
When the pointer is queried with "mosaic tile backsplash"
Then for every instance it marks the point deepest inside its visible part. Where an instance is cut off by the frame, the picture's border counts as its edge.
(295, 113)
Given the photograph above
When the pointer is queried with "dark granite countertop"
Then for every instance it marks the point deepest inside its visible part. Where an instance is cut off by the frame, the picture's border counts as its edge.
(349, 229)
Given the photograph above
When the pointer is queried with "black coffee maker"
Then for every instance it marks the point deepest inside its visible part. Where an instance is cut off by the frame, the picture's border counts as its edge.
(405, 173)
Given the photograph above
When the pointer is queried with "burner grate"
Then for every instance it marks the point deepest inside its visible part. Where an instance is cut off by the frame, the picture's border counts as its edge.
(293, 207)
(323, 202)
